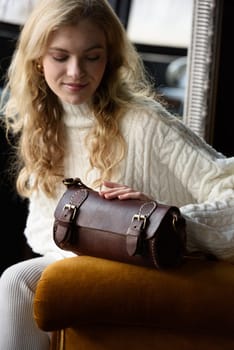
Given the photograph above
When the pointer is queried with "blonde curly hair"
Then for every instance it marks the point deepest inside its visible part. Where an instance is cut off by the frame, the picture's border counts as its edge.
(34, 113)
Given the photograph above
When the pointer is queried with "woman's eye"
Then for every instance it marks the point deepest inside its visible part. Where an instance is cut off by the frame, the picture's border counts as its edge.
(93, 58)
(59, 58)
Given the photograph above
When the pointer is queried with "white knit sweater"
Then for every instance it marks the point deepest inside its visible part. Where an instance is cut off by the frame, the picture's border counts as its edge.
(164, 160)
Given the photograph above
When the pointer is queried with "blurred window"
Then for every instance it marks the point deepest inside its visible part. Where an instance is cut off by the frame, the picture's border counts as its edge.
(15, 11)
(160, 22)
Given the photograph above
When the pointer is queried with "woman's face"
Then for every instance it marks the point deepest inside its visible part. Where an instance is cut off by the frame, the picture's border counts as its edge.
(75, 61)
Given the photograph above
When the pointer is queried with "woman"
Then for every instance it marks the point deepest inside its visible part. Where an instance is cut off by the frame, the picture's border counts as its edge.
(81, 106)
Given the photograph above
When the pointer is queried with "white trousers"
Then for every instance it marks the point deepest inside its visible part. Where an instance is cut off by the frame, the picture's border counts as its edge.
(17, 326)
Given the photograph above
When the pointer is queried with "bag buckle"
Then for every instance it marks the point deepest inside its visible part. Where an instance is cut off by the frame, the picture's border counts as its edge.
(71, 207)
(139, 217)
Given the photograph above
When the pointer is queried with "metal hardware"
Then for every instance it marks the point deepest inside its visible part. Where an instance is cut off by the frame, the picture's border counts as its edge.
(72, 181)
(140, 217)
(71, 207)
(174, 221)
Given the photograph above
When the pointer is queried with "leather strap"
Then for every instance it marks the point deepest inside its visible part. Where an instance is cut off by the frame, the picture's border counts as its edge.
(137, 227)
(68, 214)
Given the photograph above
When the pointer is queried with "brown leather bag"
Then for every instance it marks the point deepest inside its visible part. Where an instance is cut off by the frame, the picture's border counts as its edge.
(132, 231)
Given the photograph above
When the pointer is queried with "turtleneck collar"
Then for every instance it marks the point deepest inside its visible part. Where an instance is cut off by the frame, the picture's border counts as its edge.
(77, 115)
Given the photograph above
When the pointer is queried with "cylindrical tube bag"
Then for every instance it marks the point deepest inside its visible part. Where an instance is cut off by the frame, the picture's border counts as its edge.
(133, 231)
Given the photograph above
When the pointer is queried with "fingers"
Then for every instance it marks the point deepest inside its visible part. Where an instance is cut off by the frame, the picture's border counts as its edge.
(114, 190)
(110, 184)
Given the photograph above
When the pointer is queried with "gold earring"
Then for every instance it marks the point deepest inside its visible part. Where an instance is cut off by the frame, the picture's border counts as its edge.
(39, 69)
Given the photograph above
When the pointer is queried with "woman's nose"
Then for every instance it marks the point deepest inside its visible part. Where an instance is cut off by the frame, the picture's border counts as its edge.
(75, 68)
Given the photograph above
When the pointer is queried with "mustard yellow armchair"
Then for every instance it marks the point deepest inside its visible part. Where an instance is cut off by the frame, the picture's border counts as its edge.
(89, 303)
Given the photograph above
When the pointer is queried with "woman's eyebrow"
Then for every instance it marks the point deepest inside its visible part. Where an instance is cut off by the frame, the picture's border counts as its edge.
(53, 48)
(60, 49)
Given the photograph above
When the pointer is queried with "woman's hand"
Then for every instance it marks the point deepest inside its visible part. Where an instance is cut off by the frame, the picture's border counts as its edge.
(114, 190)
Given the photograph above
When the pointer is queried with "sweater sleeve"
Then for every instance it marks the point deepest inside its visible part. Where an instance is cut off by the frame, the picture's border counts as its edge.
(173, 165)
(208, 177)
(210, 221)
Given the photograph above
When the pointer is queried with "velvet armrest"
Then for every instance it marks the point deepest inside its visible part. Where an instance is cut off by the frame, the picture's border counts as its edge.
(86, 290)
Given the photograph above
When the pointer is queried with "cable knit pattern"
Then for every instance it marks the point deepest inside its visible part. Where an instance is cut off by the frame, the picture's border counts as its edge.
(164, 160)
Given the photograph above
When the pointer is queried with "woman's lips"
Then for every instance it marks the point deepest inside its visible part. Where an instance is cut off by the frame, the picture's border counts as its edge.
(75, 86)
